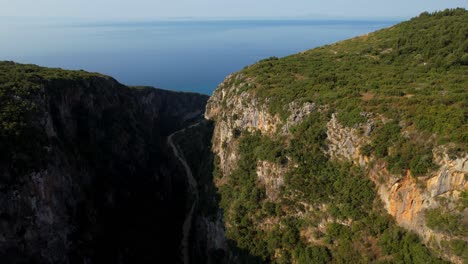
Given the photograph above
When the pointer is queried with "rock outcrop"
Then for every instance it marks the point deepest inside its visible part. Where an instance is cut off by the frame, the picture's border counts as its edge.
(406, 197)
(271, 176)
(234, 110)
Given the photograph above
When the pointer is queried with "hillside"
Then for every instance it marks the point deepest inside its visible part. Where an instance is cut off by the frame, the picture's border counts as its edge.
(85, 172)
(414, 71)
(354, 152)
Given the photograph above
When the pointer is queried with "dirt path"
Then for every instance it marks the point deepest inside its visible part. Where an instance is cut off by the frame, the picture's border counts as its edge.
(193, 192)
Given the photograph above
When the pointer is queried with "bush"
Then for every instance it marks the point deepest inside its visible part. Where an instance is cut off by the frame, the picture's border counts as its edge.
(442, 221)
(312, 254)
(459, 247)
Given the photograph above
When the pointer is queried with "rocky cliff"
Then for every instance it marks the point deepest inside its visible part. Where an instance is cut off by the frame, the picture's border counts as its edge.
(301, 142)
(87, 176)
(353, 152)
(405, 197)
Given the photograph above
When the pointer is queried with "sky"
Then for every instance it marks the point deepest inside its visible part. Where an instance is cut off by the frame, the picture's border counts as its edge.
(172, 9)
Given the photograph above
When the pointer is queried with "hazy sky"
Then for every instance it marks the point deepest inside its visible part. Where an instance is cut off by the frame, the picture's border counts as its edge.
(160, 9)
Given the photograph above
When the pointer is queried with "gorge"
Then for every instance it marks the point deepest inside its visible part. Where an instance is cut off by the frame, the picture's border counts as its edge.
(354, 152)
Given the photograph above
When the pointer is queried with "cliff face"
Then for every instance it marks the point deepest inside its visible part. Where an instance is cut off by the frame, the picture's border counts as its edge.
(105, 187)
(207, 235)
(326, 135)
(350, 153)
(405, 197)
(235, 110)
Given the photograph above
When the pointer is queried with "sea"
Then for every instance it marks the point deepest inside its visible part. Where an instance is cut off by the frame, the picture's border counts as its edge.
(181, 55)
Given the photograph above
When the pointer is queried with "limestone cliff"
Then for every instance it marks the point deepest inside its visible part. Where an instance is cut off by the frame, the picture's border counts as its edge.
(405, 197)
(372, 120)
(235, 110)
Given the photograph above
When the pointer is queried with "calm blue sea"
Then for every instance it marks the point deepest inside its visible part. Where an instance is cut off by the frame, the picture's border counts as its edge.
(176, 55)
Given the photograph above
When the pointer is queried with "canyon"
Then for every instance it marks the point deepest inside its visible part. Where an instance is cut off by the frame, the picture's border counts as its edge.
(353, 152)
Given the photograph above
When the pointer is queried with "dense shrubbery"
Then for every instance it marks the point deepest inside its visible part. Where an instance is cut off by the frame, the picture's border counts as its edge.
(456, 246)
(446, 222)
(402, 153)
(317, 179)
(313, 254)
(347, 194)
(402, 74)
(415, 71)
(405, 247)
(21, 139)
(463, 200)
(33, 74)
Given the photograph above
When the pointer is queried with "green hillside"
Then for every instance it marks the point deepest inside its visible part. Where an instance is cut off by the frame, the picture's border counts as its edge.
(414, 75)
(415, 71)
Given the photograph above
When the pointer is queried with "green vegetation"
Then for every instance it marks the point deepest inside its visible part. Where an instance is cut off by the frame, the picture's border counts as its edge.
(405, 247)
(241, 197)
(33, 74)
(22, 139)
(195, 144)
(401, 153)
(318, 179)
(451, 223)
(463, 200)
(454, 247)
(415, 71)
(414, 75)
(459, 247)
(21, 143)
(313, 254)
(273, 231)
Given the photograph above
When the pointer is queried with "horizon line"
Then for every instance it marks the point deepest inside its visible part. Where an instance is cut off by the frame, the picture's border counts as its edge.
(214, 18)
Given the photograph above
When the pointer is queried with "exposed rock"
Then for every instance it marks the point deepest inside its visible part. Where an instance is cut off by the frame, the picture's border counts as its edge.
(236, 108)
(405, 197)
(235, 111)
(345, 142)
(298, 113)
(271, 176)
(232, 115)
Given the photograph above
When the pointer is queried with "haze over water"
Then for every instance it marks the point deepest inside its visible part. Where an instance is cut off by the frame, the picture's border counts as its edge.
(176, 55)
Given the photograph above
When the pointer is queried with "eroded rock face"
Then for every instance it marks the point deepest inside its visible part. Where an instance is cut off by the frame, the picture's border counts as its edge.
(451, 176)
(405, 197)
(298, 114)
(345, 142)
(235, 110)
(107, 189)
(271, 175)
